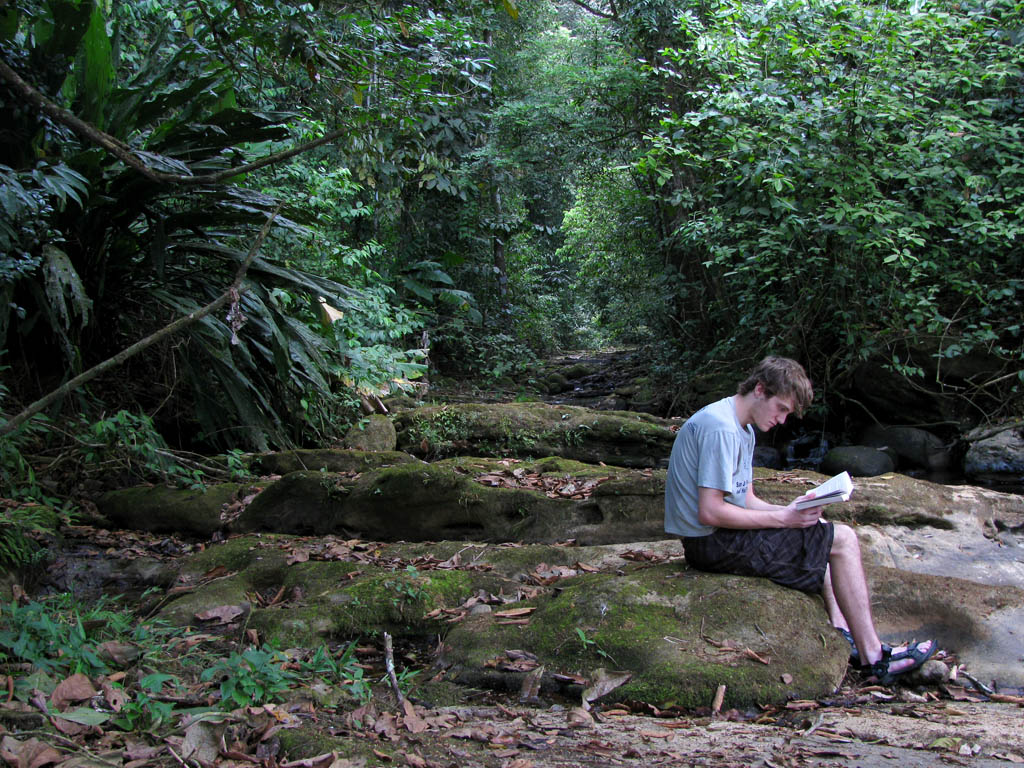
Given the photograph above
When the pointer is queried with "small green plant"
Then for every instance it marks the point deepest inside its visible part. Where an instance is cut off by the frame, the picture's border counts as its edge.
(574, 437)
(238, 470)
(350, 673)
(146, 711)
(406, 679)
(34, 512)
(59, 636)
(590, 644)
(19, 525)
(407, 589)
(440, 430)
(255, 676)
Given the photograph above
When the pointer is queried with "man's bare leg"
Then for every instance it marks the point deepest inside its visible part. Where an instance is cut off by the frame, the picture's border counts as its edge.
(835, 615)
(850, 588)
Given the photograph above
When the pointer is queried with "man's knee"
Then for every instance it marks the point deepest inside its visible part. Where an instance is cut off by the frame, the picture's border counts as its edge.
(844, 539)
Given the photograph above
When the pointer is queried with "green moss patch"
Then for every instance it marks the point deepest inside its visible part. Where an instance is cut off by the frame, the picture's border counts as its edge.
(161, 509)
(535, 429)
(681, 634)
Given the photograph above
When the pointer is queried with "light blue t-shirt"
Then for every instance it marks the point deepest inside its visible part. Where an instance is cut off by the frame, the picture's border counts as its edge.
(711, 450)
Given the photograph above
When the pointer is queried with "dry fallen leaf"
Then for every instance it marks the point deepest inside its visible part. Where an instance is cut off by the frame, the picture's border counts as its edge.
(223, 614)
(115, 697)
(513, 612)
(413, 722)
(578, 717)
(415, 761)
(603, 684)
(78, 687)
(28, 754)
(298, 556)
(530, 690)
(122, 654)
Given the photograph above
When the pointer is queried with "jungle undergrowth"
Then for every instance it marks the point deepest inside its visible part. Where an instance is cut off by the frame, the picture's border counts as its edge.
(152, 674)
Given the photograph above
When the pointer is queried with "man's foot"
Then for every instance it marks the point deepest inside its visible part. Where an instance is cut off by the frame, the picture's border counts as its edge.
(899, 661)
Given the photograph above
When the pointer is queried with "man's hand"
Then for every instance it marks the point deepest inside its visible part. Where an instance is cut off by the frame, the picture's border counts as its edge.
(801, 518)
(714, 510)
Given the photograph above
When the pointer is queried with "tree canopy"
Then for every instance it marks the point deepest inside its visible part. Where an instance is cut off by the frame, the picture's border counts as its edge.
(469, 185)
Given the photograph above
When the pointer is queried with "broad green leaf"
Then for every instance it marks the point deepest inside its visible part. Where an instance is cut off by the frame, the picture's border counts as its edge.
(84, 716)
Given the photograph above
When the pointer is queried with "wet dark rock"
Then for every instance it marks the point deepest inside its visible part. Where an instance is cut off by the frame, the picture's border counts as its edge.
(556, 383)
(858, 460)
(890, 400)
(915, 447)
(996, 455)
(769, 457)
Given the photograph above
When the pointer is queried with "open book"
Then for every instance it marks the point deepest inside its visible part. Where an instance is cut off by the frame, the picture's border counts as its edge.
(836, 488)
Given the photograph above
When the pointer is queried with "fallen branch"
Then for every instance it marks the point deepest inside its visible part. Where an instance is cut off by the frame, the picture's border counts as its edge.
(230, 294)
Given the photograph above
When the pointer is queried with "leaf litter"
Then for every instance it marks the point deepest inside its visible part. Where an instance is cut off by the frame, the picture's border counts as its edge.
(860, 725)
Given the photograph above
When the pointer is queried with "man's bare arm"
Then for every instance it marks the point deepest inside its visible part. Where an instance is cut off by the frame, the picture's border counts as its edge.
(713, 509)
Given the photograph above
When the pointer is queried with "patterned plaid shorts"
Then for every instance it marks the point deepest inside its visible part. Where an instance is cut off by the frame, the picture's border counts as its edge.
(792, 557)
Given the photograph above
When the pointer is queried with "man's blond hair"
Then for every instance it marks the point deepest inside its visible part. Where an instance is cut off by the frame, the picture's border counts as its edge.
(783, 377)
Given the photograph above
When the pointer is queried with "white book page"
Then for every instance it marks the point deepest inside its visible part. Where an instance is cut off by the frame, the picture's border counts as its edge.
(839, 485)
(834, 489)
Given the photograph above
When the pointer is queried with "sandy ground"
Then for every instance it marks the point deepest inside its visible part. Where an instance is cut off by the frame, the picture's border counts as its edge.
(891, 735)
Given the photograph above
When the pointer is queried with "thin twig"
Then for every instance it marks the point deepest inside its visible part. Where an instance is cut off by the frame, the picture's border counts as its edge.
(389, 661)
(976, 682)
(716, 704)
(176, 757)
(814, 726)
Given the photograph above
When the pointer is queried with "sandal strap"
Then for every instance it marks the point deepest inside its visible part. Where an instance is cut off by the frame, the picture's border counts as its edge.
(881, 668)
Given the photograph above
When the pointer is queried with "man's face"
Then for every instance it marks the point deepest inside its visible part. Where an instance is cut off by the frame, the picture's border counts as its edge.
(771, 411)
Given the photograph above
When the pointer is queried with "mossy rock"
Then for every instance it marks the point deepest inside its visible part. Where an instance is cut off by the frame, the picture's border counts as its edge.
(578, 371)
(377, 434)
(226, 573)
(516, 561)
(556, 383)
(327, 459)
(439, 501)
(161, 509)
(418, 502)
(300, 502)
(680, 633)
(619, 438)
(321, 600)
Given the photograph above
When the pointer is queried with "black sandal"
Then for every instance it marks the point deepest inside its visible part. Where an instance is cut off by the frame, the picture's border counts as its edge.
(880, 669)
(854, 651)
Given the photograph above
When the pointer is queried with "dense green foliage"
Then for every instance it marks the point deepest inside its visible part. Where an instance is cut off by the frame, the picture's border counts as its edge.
(847, 178)
(837, 181)
(97, 252)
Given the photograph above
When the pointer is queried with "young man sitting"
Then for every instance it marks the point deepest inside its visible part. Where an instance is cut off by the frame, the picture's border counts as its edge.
(710, 503)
